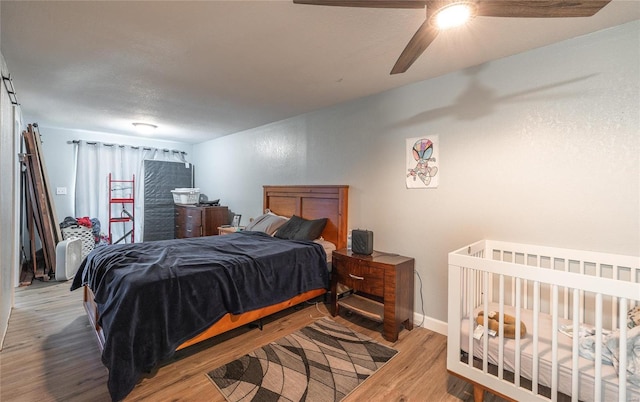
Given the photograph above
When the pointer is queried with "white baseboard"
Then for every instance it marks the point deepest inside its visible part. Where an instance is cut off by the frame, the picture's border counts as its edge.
(431, 324)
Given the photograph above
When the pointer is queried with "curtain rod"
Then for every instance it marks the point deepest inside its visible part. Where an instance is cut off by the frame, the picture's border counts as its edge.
(175, 151)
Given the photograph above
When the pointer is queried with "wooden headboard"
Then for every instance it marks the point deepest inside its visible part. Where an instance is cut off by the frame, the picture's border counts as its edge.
(313, 202)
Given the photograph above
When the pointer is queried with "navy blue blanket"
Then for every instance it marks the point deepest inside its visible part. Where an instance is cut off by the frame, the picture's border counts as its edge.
(153, 296)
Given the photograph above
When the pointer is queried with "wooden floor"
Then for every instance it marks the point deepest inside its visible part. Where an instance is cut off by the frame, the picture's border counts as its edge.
(50, 354)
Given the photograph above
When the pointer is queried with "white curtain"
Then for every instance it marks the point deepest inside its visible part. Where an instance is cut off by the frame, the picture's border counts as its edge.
(94, 162)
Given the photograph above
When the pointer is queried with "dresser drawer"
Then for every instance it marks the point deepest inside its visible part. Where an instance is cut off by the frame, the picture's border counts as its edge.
(196, 221)
(360, 276)
(191, 230)
(193, 217)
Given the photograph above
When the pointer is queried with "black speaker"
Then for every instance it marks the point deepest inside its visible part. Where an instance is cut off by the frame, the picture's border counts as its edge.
(362, 241)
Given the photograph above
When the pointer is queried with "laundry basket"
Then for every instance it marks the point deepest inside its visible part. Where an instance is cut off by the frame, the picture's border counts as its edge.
(186, 196)
(80, 232)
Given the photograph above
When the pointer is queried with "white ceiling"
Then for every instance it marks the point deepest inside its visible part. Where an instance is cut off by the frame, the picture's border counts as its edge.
(204, 69)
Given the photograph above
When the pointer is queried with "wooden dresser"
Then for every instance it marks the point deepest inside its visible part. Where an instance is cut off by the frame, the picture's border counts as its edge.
(383, 288)
(197, 221)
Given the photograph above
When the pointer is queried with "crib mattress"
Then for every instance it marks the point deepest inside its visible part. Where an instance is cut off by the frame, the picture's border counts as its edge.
(586, 366)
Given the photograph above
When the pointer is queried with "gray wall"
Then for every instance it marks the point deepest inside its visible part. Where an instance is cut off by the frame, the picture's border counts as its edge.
(9, 202)
(541, 147)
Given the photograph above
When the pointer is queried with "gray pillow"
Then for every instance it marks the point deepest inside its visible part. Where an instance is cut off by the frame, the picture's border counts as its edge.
(267, 223)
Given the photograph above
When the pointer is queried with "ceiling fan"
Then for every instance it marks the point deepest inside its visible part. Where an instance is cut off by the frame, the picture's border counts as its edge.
(439, 13)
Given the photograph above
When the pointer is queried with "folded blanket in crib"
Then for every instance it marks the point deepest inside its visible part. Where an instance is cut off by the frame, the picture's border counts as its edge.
(611, 351)
(587, 347)
(633, 353)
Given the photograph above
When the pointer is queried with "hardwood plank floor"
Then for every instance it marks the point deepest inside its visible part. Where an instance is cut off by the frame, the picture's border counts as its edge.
(51, 354)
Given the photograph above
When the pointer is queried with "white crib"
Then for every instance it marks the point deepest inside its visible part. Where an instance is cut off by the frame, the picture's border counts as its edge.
(546, 288)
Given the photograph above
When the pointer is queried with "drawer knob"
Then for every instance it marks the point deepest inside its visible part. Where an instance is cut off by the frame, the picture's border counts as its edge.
(360, 278)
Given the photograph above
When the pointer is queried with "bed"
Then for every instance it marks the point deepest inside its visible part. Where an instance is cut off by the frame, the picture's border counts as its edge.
(552, 291)
(147, 300)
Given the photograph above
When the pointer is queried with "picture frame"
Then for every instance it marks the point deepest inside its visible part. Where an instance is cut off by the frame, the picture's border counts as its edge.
(236, 220)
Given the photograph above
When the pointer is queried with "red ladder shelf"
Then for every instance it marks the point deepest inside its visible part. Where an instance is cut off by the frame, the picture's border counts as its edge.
(127, 200)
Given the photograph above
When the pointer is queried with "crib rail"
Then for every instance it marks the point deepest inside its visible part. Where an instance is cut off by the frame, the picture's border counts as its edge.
(579, 287)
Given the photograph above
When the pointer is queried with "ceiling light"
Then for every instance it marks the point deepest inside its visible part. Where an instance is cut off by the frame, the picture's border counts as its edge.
(144, 128)
(453, 15)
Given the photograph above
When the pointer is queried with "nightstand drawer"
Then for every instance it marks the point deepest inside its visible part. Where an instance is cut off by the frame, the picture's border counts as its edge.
(361, 277)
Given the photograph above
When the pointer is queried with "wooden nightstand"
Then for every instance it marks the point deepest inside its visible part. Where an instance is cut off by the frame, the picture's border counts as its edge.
(382, 284)
(223, 230)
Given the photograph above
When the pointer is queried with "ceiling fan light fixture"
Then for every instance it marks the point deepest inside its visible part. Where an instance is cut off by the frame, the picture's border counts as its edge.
(144, 128)
(454, 14)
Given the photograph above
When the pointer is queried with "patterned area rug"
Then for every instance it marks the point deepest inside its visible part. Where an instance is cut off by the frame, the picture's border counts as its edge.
(324, 361)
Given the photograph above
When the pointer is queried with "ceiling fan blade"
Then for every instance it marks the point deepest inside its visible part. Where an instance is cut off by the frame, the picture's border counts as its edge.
(365, 3)
(416, 46)
(539, 8)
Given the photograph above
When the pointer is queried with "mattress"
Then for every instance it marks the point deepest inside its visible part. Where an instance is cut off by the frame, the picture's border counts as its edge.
(328, 248)
(586, 366)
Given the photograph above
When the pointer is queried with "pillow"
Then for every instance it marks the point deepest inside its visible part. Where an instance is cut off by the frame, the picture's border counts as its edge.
(254, 222)
(298, 228)
(633, 317)
(267, 223)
